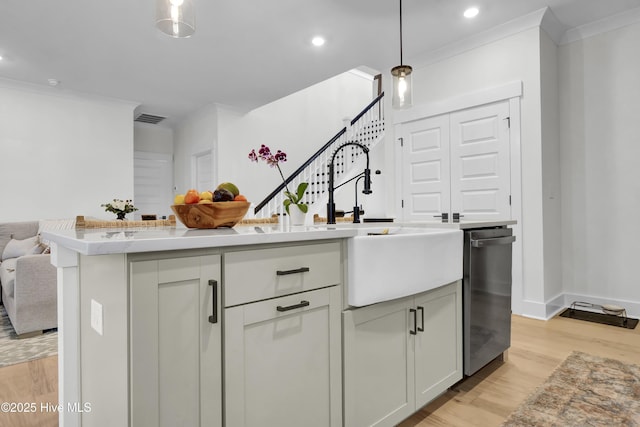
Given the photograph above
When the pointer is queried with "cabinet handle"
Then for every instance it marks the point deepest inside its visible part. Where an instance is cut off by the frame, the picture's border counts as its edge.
(421, 310)
(444, 216)
(214, 315)
(293, 307)
(297, 270)
(415, 322)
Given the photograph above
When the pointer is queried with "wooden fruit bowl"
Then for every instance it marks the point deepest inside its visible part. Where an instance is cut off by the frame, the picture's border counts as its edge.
(211, 215)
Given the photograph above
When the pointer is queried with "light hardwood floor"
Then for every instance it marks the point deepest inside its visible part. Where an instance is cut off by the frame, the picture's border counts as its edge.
(486, 399)
(26, 387)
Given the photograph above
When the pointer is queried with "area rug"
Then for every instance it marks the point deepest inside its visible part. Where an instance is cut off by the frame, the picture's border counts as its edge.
(585, 390)
(14, 350)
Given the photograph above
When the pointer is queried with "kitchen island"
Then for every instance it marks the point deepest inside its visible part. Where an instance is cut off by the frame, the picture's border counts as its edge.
(140, 331)
(240, 326)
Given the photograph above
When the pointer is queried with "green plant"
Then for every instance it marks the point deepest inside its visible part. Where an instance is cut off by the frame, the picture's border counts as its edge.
(118, 206)
(296, 198)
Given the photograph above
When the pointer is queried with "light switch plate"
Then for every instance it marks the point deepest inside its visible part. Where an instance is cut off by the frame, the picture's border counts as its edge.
(96, 316)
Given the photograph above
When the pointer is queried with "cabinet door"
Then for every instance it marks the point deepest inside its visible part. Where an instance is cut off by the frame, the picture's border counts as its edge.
(425, 168)
(175, 348)
(378, 364)
(282, 361)
(438, 343)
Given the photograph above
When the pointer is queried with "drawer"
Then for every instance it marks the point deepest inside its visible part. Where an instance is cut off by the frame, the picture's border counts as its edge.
(260, 274)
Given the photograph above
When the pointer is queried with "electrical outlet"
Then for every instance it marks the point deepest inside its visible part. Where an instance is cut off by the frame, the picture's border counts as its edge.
(96, 316)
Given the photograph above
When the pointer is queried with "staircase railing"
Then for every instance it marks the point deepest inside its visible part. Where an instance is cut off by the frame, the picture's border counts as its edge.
(365, 128)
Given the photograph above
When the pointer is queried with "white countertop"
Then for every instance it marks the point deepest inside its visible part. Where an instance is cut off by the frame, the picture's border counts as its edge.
(111, 241)
(130, 240)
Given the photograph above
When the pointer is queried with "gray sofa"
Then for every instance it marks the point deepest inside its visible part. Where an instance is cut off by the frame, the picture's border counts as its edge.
(27, 278)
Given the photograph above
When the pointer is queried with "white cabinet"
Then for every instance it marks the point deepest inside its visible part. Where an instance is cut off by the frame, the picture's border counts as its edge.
(457, 163)
(399, 355)
(176, 347)
(282, 360)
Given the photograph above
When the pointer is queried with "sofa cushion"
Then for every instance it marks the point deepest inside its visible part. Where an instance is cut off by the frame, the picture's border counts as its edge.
(16, 230)
(17, 248)
(8, 275)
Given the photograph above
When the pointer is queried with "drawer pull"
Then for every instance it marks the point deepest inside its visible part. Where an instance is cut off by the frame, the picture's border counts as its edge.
(415, 322)
(297, 270)
(293, 307)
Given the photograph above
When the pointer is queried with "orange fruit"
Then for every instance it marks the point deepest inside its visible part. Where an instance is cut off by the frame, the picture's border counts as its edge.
(239, 198)
(191, 197)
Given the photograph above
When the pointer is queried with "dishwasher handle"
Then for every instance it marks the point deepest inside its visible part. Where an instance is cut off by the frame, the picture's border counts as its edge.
(480, 243)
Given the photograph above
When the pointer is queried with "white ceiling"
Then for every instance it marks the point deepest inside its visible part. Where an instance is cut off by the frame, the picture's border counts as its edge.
(245, 53)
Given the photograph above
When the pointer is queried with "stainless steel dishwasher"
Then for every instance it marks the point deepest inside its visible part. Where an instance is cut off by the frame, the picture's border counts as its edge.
(486, 295)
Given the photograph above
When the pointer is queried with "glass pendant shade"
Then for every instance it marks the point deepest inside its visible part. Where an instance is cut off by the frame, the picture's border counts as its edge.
(402, 88)
(176, 18)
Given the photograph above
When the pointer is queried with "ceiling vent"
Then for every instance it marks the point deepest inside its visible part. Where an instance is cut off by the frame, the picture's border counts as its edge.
(149, 118)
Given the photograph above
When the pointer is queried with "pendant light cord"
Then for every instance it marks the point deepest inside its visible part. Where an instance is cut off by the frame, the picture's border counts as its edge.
(401, 63)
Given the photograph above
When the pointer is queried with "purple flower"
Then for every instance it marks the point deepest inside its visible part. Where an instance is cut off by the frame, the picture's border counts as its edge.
(264, 152)
(253, 156)
(281, 156)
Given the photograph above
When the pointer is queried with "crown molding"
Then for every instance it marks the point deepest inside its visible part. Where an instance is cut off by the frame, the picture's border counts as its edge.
(601, 26)
(552, 26)
(525, 22)
(543, 18)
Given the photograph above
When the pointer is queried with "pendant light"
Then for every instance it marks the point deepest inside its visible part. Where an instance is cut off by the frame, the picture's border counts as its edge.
(176, 17)
(402, 89)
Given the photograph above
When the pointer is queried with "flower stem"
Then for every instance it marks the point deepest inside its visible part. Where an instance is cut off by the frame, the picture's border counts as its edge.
(283, 180)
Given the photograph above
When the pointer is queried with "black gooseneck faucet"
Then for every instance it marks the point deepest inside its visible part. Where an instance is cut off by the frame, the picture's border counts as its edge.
(331, 206)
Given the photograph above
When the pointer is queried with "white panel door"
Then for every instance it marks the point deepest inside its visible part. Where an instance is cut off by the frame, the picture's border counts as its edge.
(480, 162)
(425, 168)
(153, 182)
(204, 171)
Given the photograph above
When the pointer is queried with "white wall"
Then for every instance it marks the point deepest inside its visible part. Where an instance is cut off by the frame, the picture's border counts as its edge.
(152, 138)
(62, 155)
(298, 124)
(197, 134)
(551, 182)
(599, 104)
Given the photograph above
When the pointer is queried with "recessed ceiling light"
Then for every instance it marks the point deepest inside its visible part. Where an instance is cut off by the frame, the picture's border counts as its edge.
(0, 57)
(317, 41)
(472, 12)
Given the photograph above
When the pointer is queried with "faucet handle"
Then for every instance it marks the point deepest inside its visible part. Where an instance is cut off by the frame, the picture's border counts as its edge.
(367, 182)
